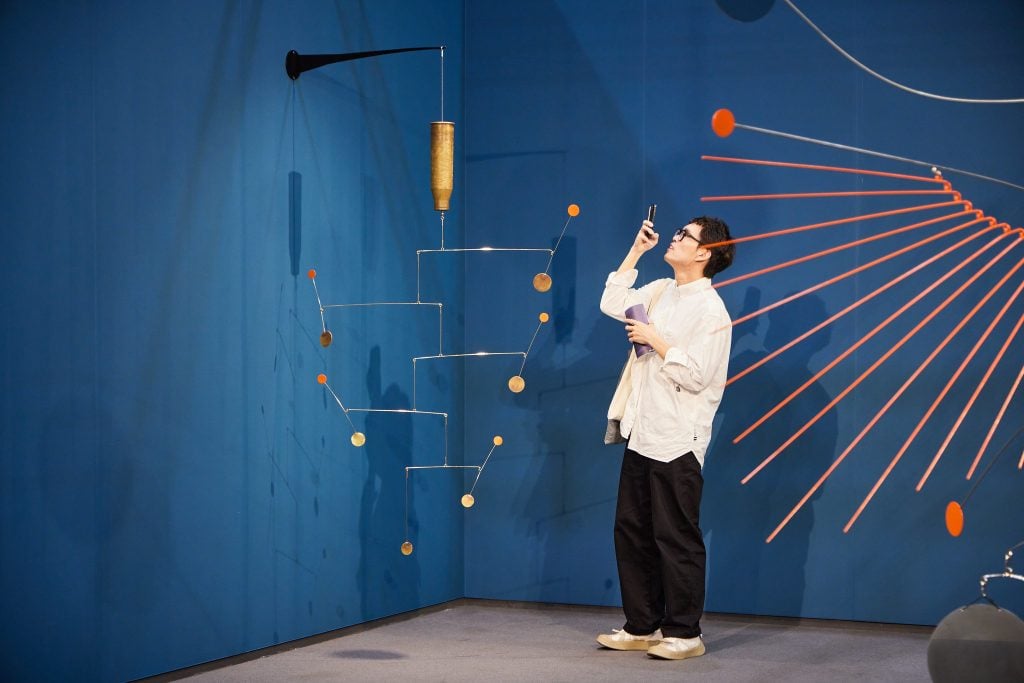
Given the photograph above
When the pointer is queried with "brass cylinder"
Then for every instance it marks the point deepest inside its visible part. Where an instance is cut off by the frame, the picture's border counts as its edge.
(442, 163)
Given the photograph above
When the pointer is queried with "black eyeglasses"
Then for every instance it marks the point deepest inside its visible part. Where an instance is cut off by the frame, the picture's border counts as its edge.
(683, 233)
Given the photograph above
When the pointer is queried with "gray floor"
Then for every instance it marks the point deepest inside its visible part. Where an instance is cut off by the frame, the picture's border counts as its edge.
(496, 642)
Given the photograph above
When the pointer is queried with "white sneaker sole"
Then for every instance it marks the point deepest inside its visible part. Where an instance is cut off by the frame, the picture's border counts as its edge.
(613, 644)
(661, 651)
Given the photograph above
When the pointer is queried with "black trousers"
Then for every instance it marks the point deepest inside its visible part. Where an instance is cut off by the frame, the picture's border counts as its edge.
(659, 545)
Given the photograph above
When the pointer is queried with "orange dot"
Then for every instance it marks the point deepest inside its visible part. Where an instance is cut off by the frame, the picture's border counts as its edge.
(311, 273)
(954, 519)
(498, 441)
(544, 317)
(322, 378)
(723, 123)
(574, 210)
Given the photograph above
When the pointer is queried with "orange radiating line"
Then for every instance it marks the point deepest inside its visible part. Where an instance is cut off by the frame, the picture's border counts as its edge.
(995, 423)
(841, 247)
(868, 336)
(855, 383)
(917, 373)
(952, 380)
(812, 195)
(967, 407)
(839, 221)
(813, 167)
(863, 300)
(859, 269)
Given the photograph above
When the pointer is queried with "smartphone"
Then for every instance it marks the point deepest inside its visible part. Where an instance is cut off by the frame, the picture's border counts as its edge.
(650, 216)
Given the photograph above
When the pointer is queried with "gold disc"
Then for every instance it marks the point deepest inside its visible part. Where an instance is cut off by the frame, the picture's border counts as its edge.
(542, 282)
(516, 384)
(407, 548)
(498, 441)
(468, 500)
(358, 439)
(325, 338)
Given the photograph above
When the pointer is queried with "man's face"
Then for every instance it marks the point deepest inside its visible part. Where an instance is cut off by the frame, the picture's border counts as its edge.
(685, 248)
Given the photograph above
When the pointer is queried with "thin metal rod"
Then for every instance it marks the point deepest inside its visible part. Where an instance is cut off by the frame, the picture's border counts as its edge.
(812, 195)
(443, 467)
(815, 167)
(535, 333)
(386, 303)
(831, 319)
(889, 81)
(853, 385)
(829, 224)
(323, 322)
(913, 377)
(974, 486)
(344, 410)
(397, 410)
(438, 251)
(860, 150)
(853, 271)
(841, 247)
(473, 487)
(467, 355)
(863, 340)
(552, 257)
(442, 118)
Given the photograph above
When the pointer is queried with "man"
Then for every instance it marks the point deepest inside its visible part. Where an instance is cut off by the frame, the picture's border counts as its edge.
(667, 421)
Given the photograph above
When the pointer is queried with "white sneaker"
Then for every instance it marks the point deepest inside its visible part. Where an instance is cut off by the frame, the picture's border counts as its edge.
(620, 640)
(677, 648)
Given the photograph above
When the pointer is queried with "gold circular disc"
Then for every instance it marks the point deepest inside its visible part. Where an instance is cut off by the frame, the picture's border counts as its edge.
(358, 439)
(325, 338)
(498, 441)
(468, 500)
(516, 384)
(542, 282)
(407, 548)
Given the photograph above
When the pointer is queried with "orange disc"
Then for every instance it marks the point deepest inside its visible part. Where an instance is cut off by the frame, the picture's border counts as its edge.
(516, 384)
(723, 123)
(542, 282)
(954, 519)
(322, 378)
(468, 500)
(407, 548)
(574, 210)
(325, 338)
(311, 273)
(498, 441)
(544, 317)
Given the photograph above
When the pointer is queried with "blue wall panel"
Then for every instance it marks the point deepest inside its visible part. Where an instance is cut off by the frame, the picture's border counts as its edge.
(176, 486)
(608, 105)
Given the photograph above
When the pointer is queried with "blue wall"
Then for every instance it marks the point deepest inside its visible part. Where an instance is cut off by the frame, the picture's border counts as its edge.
(176, 487)
(608, 104)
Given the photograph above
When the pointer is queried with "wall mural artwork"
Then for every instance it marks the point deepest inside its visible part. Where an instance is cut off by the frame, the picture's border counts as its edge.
(442, 185)
(974, 235)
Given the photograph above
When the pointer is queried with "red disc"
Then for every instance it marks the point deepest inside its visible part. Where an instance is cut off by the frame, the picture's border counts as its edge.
(322, 378)
(954, 519)
(723, 123)
(311, 273)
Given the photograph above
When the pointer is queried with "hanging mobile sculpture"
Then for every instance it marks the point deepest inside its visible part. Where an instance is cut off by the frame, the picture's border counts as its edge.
(978, 233)
(442, 164)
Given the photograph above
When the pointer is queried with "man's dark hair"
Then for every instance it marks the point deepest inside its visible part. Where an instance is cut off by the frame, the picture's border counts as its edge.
(714, 230)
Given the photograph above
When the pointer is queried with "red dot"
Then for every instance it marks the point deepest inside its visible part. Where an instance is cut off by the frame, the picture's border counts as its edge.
(723, 123)
(312, 273)
(322, 378)
(954, 518)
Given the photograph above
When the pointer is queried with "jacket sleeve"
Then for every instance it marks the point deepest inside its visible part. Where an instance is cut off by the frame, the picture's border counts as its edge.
(694, 362)
(620, 295)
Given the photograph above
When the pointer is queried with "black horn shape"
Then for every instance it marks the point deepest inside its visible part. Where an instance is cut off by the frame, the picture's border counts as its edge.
(295, 64)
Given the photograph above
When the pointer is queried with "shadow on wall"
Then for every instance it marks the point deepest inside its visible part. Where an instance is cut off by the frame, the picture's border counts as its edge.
(389, 581)
(745, 574)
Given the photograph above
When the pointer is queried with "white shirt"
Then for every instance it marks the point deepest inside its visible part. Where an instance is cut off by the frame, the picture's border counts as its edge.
(673, 400)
